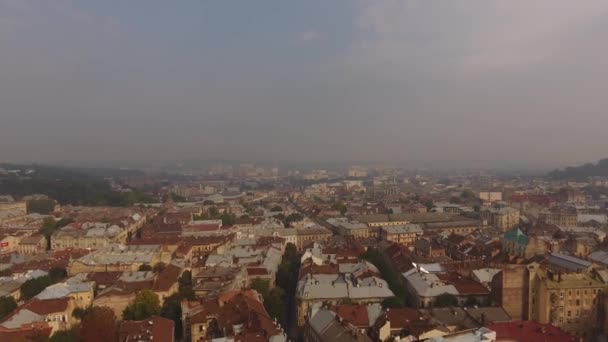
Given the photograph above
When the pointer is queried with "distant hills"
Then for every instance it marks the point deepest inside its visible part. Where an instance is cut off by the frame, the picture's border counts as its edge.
(77, 186)
(600, 169)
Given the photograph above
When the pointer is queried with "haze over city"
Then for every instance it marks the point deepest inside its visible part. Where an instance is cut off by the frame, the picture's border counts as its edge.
(303, 81)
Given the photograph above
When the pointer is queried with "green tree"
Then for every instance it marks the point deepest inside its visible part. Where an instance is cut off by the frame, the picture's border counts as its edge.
(99, 325)
(185, 286)
(228, 219)
(42, 206)
(471, 301)
(276, 208)
(467, 195)
(293, 217)
(273, 299)
(445, 300)
(208, 202)
(32, 287)
(455, 200)
(57, 274)
(341, 207)
(213, 212)
(7, 305)
(392, 277)
(172, 309)
(429, 204)
(145, 305)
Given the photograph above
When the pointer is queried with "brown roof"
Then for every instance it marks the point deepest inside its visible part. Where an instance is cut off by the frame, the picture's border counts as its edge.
(47, 306)
(167, 278)
(25, 332)
(235, 308)
(353, 314)
(259, 271)
(151, 329)
(104, 278)
(464, 285)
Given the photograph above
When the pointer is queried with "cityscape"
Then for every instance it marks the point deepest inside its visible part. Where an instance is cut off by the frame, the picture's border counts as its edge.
(303, 171)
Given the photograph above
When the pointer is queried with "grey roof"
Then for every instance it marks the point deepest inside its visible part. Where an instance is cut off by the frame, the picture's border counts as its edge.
(568, 262)
(485, 275)
(21, 317)
(61, 290)
(428, 284)
(321, 320)
(599, 256)
(404, 229)
(601, 218)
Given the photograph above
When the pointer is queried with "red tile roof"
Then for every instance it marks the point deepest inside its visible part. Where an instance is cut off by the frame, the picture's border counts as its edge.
(47, 306)
(253, 271)
(26, 332)
(464, 285)
(530, 331)
(167, 278)
(151, 329)
(353, 314)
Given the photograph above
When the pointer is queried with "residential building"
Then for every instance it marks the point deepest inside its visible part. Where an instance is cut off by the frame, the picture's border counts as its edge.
(325, 325)
(32, 245)
(234, 315)
(404, 235)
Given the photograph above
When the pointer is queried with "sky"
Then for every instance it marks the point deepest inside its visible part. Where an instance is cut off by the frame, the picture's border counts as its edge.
(314, 80)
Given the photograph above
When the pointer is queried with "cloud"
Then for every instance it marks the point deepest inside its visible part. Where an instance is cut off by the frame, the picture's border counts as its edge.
(470, 36)
(309, 36)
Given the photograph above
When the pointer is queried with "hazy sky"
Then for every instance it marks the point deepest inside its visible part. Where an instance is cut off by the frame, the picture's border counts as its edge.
(304, 80)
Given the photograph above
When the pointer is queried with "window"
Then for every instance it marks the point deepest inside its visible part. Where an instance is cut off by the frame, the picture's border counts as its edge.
(578, 302)
(569, 313)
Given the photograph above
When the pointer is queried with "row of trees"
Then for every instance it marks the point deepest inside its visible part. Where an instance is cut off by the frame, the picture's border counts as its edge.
(277, 300)
(33, 287)
(287, 220)
(392, 277)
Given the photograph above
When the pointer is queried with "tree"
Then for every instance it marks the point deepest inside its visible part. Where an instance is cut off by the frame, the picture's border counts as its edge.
(7, 305)
(429, 204)
(445, 299)
(32, 287)
(99, 325)
(213, 212)
(293, 217)
(145, 305)
(341, 207)
(42, 206)
(273, 299)
(228, 219)
(57, 274)
(208, 202)
(185, 286)
(471, 301)
(467, 195)
(392, 277)
(276, 208)
(455, 200)
(172, 309)
(144, 268)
